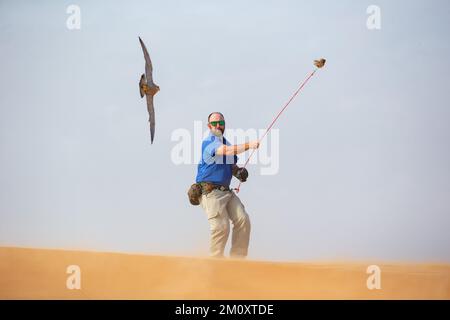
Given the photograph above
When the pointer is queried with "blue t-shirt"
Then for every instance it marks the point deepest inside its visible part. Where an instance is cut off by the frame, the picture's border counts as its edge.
(213, 168)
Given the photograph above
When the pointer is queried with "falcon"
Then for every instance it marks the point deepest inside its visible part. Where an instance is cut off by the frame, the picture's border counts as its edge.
(148, 89)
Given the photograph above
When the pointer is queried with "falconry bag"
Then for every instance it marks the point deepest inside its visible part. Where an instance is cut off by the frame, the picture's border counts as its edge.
(194, 194)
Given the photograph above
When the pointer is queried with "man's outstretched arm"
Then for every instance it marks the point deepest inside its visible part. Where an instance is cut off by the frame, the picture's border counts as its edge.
(236, 149)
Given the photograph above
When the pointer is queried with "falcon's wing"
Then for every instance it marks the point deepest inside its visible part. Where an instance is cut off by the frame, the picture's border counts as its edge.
(148, 64)
(151, 115)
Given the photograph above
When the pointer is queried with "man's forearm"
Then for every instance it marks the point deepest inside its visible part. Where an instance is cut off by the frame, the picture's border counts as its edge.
(232, 150)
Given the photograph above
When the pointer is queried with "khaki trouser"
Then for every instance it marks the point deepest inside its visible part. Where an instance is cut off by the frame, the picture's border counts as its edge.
(220, 207)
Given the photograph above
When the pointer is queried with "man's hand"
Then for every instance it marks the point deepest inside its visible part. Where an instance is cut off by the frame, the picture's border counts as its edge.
(253, 145)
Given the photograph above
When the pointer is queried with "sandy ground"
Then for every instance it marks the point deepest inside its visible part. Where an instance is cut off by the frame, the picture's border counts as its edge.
(42, 274)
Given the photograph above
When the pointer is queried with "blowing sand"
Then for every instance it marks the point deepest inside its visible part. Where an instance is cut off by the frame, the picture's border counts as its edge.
(41, 274)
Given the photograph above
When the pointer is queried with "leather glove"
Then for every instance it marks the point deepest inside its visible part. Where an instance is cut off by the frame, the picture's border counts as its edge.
(241, 174)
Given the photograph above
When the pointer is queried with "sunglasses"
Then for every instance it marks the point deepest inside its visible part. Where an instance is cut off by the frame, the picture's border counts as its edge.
(214, 123)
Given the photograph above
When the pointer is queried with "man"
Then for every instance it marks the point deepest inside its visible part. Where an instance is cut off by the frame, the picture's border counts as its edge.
(215, 170)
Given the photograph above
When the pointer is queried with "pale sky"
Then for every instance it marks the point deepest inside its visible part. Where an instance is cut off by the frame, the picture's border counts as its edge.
(363, 150)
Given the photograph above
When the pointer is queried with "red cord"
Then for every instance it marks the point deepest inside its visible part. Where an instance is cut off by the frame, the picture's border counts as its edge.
(274, 120)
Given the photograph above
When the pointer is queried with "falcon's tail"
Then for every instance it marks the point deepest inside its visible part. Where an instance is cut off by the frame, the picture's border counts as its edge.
(142, 82)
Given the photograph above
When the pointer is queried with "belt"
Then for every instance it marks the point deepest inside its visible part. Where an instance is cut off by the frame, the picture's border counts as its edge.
(208, 187)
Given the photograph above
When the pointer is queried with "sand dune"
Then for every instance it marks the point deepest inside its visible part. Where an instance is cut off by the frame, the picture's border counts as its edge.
(41, 274)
